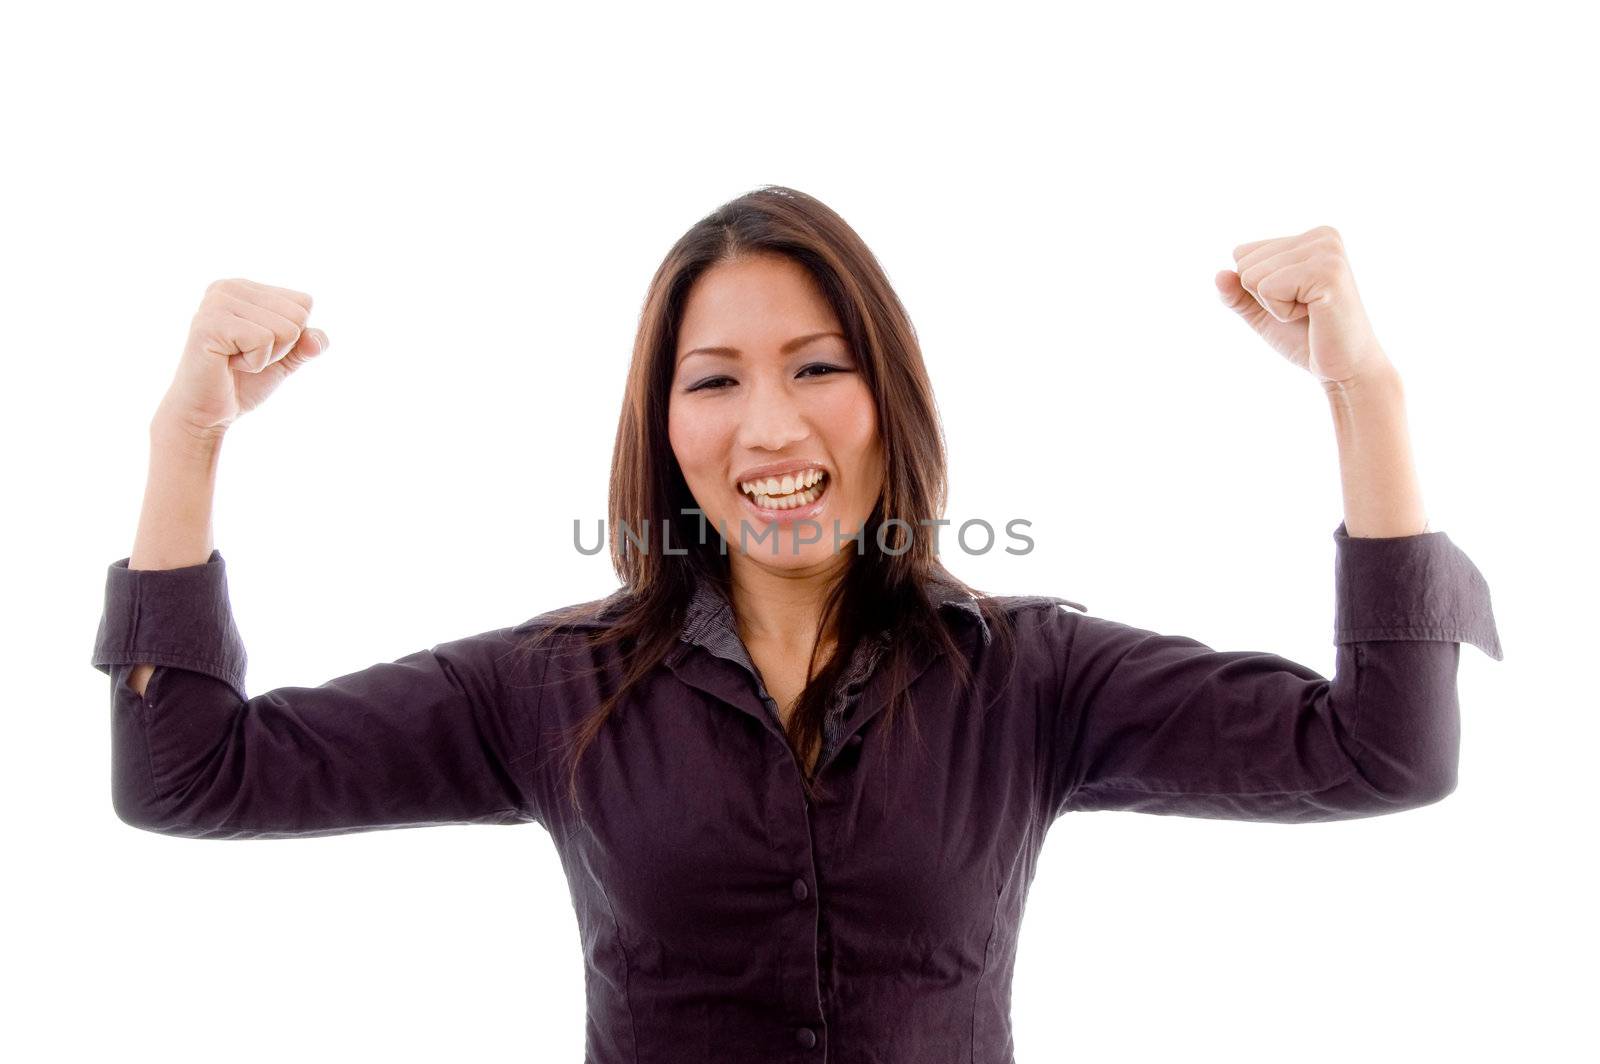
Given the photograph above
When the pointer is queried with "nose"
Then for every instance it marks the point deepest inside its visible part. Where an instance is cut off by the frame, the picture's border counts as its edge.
(772, 419)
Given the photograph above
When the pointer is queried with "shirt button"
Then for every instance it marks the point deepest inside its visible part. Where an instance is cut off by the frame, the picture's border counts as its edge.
(855, 740)
(800, 890)
(806, 1037)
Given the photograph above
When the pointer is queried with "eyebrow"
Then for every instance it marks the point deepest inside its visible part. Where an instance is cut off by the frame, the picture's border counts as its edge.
(793, 345)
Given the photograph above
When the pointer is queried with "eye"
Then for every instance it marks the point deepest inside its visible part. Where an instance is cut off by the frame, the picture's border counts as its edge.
(710, 384)
(822, 366)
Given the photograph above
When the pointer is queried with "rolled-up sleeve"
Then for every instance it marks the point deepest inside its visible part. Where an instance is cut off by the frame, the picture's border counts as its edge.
(435, 737)
(1156, 723)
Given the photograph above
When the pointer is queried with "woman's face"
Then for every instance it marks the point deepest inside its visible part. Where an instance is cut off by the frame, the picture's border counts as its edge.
(774, 426)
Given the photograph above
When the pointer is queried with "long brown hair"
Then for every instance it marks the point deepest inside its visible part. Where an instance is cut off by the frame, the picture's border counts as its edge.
(881, 590)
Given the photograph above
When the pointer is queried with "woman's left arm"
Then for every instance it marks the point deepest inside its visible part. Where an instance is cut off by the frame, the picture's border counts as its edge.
(1154, 722)
(1160, 723)
(1299, 294)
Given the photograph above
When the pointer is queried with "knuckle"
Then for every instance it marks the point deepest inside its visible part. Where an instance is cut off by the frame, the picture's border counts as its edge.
(205, 320)
(222, 291)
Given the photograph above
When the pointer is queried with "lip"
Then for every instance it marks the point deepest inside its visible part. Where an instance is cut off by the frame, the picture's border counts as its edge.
(778, 469)
(808, 512)
(789, 516)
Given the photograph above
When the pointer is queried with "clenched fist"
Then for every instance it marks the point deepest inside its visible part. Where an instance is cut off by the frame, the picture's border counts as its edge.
(243, 341)
(1298, 293)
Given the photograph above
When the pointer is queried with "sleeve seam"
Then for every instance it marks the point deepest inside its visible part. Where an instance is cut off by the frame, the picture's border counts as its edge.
(135, 657)
(538, 733)
(1453, 634)
(507, 816)
(536, 776)
(210, 667)
(1134, 787)
(1060, 756)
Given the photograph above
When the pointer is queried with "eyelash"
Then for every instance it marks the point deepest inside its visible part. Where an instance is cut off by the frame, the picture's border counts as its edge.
(709, 383)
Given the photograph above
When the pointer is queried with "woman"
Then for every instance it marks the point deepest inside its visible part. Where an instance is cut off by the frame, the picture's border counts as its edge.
(763, 860)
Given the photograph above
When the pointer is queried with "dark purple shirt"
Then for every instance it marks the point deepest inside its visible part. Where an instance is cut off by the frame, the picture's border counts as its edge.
(722, 915)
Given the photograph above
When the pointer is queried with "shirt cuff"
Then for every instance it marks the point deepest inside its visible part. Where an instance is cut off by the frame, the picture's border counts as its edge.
(178, 617)
(1410, 587)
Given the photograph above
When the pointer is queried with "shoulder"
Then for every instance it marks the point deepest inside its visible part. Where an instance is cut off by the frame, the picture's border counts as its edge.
(1012, 604)
(1046, 616)
(596, 613)
(1037, 627)
(563, 634)
(1042, 627)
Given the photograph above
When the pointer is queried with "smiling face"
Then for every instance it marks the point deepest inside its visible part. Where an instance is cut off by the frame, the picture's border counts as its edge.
(774, 426)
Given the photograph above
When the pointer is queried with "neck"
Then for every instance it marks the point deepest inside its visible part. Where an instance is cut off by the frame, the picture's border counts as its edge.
(782, 608)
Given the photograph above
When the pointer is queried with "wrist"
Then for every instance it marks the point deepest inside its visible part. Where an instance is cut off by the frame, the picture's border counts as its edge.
(169, 425)
(175, 434)
(1380, 376)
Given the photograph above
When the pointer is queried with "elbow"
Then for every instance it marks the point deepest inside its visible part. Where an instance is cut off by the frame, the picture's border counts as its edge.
(138, 818)
(1403, 731)
(133, 792)
(1429, 787)
(1393, 785)
(1429, 772)
(163, 803)
(137, 811)
(139, 804)
(1410, 787)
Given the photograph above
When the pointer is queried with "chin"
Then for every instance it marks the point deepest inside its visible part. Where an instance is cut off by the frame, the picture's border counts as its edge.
(773, 544)
(810, 556)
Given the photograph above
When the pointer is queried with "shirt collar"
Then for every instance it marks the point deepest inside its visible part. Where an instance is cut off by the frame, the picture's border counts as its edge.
(709, 609)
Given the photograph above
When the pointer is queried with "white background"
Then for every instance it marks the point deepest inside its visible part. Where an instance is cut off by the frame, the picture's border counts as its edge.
(477, 195)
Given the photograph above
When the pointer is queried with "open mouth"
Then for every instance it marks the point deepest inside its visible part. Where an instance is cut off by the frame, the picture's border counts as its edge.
(786, 492)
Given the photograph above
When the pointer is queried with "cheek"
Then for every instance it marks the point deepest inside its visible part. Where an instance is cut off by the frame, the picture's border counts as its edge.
(853, 436)
(698, 442)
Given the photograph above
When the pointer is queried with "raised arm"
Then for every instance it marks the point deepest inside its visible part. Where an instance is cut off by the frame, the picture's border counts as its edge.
(435, 737)
(1155, 723)
(1165, 724)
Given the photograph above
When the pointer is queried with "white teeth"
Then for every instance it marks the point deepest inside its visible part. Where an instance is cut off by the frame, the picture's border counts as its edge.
(777, 487)
(788, 492)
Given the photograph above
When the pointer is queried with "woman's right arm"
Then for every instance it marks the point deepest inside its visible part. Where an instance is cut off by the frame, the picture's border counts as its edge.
(175, 520)
(439, 736)
(244, 339)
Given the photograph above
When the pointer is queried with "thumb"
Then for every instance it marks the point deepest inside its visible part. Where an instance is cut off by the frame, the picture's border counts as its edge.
(312, 343)
(1287, 338)
(1244, 304)
(1232, 292)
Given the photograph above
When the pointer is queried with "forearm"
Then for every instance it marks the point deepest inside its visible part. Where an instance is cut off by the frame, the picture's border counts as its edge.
(1382, 497)
(175, 520)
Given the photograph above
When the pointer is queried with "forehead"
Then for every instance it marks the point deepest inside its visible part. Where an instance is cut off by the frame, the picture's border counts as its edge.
(756, 302)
